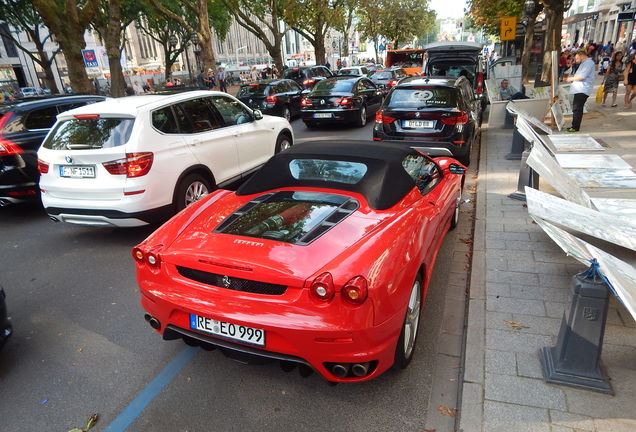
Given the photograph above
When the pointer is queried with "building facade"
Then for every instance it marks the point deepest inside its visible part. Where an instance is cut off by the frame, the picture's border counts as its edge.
(600, 21)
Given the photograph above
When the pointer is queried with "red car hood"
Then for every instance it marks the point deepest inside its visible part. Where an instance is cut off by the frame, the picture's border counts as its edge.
(198, 247)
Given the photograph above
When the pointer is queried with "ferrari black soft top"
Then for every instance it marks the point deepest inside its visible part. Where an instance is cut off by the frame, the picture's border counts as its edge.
(384, 183)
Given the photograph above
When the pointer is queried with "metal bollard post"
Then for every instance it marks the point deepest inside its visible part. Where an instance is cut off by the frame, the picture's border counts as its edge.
(575, 361)
(518, 144)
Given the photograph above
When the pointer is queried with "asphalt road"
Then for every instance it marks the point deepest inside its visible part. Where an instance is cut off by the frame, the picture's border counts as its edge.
(81, 346)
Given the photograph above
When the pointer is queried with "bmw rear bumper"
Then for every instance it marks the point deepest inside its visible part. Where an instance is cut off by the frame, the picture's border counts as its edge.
(104, 217)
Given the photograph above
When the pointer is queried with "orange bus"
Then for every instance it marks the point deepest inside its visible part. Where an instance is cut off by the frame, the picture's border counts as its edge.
(411, 60)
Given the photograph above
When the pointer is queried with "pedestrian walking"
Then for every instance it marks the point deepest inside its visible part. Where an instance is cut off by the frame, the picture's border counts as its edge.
(201, 79)
(582, 86)
(613, 76)
(211, 81)
(221, 78)
(254, 74)
(630, 81)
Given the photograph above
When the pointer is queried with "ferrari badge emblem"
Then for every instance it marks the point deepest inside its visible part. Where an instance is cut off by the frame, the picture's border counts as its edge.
(226, 281)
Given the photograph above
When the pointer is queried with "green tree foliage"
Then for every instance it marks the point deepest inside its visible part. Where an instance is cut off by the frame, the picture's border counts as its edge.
(488, 13)
(21, 15)
(406, 19)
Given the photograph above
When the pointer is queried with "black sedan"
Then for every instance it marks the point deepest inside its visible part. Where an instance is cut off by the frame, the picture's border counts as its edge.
(388, 78)
(280, 97)
(431, 113)
(341, 99)
(5, 324)
(23, 126)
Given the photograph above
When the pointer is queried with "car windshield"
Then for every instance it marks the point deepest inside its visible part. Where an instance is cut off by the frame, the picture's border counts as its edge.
(285, 216)
(348, 71)
(382, 75)
(89, 133)
(327, 170)
(252, 90)
(422, 97)
(293, 73)
(452, 69)
(333, 86)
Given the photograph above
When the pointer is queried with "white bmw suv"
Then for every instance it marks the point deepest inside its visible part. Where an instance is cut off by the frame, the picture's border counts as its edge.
(139, 159)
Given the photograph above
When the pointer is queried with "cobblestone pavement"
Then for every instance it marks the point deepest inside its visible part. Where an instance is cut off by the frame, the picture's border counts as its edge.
(519, 289)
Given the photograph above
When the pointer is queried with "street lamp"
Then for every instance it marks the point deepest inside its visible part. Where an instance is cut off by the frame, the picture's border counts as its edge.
(196, 48)
(237, 53)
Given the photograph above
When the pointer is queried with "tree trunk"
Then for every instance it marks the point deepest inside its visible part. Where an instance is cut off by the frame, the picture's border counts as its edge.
(375, 47)
(112, 40)
(208, 61)
(554, 18)
(45, 63)
(277, 54)
(167, 54)
(319, 47)
(527, 48)
(345, 47)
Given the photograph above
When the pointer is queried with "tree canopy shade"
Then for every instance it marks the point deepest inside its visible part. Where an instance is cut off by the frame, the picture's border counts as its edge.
(21, 15)
(313, 19)
(68, 20)
(488, 13)
(404, 20)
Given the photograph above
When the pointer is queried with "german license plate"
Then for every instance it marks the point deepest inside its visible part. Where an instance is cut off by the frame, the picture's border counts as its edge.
(423, 124)
(77, 171)
(322, 115)
(227, 330)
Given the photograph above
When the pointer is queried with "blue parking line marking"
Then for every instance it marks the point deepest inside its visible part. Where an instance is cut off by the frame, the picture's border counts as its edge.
(136, 407)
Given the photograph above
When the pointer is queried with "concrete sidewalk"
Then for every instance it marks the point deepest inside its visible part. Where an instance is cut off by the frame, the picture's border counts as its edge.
(519, 289)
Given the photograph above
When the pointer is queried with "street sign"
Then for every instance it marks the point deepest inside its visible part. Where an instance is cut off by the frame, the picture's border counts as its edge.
(90, 59)
(521, 29)
(508, 27)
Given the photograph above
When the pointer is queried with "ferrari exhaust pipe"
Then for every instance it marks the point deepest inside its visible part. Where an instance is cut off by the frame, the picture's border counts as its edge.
(154, 322)
(360, 369)
(340, 370)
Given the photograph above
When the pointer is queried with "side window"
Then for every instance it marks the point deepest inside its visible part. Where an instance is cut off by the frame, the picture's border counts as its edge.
(368, 85)
(279, 88)
(364, 70)
(163, 120)
(423, 171)
(183, 120)
(294, 86)
(42, 118)
(327, 72)
(231, 111)
(200, 115)
(69, 106)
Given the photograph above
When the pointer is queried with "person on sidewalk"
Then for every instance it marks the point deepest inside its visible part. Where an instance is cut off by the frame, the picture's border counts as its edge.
(221, 79)
(630, 81)
(613, 76)
(582, 86)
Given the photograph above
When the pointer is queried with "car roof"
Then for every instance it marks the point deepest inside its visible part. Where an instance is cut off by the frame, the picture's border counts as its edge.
(384, 184)
(446, 81)
(453, 46)
(346, 77)
(132, 106)
(269, 81)
(50, 100)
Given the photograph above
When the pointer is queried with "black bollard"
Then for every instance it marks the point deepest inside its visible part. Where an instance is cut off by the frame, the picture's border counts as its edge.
(518, 144)
(575, 361)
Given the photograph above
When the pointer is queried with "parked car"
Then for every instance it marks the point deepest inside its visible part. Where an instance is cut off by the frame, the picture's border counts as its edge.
(322, 259)
(139, 159)
(307, 76)
(279, 97)
(23, 126)
(431, 113)
(458, 59)
(354, 70)
(5, 325)
(341, 99)
(29, 91)
(387, 78)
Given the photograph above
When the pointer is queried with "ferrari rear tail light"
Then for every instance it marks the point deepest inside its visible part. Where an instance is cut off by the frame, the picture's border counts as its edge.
(345, 102)
(308, 82)
(138, 254)
(381, 118)
(153, 258)
(480, 83)
(271, 99)
(43, 167)
(355, 291)
(8, 147)
(133, 165)
(455, 118)
(305, 102)
(322, 287)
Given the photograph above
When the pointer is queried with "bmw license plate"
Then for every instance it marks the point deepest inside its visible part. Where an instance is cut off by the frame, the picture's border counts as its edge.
(77, 171)
(420, 124)
(227, 330)
(322, 115)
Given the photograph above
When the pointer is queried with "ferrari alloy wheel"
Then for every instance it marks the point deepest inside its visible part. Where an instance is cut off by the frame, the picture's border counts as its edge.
(455, 218)
(283, 143)
(363, 116)
(286, 114)
(408, 336)
(192, 189)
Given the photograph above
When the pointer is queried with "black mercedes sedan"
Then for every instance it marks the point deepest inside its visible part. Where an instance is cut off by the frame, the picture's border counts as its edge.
(280, 97)
(23, 126)
(438, 113)
(5, 324)
(341, 99)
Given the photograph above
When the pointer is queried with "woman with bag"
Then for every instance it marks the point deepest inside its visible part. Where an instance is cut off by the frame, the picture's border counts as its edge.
(613, 77)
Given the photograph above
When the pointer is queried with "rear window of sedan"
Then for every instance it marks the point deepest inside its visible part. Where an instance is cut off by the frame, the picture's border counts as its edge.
(327, 170)
(333, 86)
(89, 133)
(382, 75)
(422, 97)
(252, 89)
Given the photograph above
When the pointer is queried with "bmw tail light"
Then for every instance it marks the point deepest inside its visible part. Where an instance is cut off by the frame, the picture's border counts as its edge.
(308, 82)
(356, 290)
(381, 118)
(322, 287)
(8, 147)
(43, 167)
(133, 165)
(305, 102)
(455, 118)
(271, 99)
(480, 83)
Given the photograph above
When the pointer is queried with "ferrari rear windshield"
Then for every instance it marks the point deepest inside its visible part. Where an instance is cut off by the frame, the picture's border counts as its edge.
(291, 217)
(327, 170)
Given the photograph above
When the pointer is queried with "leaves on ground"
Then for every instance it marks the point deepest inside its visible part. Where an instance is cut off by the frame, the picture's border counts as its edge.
(446, 411)
(467, 241)
(92, 419)
(515, 325)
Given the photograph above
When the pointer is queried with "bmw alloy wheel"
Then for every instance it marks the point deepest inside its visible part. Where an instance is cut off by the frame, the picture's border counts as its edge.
(195, 192)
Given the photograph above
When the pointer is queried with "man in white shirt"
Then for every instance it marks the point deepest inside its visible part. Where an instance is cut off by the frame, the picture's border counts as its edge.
(582, 86)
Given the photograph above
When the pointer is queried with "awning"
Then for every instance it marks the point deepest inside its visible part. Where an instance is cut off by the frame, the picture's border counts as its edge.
(578, 17)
